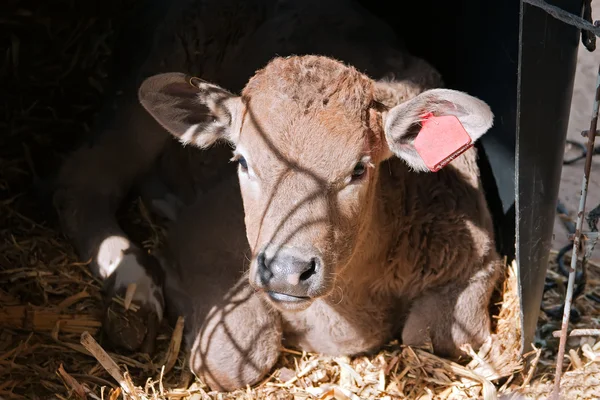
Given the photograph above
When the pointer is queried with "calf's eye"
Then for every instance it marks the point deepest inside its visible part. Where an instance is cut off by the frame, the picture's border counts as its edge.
(243, 164)
(359, 170)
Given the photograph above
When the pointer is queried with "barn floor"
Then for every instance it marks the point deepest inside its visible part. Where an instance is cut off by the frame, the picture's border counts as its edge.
(53, 73)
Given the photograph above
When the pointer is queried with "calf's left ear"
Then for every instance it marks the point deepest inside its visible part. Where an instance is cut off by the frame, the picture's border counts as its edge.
(194, 111)
(403, 122)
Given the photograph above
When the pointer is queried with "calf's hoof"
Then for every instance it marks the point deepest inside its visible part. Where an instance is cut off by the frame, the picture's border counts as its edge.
(136, 328)
(131, 330)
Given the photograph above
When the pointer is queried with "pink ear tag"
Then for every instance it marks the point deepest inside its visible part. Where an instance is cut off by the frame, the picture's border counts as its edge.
(441, 140)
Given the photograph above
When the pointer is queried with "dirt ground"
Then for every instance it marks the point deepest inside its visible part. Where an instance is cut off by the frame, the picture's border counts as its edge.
(581, 111)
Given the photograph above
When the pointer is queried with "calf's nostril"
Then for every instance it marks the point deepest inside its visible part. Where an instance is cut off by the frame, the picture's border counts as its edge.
(310, 271)
(263, 269)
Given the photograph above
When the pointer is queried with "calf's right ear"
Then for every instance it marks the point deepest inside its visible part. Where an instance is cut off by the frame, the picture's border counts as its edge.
(194, 111)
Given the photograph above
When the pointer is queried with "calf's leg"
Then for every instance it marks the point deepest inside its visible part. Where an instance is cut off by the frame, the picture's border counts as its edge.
(238, 342)
(453, 315)
(90, 187)
(233, 335)
(233, 339)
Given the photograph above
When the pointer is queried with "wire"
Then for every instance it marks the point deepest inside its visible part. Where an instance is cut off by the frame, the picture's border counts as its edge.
(581, 276)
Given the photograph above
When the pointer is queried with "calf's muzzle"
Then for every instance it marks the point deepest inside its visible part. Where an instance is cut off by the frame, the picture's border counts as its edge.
(289, 275)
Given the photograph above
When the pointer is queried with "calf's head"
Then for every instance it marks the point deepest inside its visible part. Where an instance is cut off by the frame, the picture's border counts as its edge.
(308, 135)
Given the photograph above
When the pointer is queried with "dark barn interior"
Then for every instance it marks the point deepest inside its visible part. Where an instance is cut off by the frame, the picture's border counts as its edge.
(61, 57)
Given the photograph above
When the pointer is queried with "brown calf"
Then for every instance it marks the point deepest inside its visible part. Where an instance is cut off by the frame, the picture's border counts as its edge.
(349, 240)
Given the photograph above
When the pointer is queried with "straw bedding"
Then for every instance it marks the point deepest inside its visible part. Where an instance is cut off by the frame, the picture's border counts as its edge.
(51, 343)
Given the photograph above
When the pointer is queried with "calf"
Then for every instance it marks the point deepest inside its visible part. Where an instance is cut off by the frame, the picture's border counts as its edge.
(341, 239)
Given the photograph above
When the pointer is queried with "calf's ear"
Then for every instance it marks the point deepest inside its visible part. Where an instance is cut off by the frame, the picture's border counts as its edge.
(403, 122)
(194, 111)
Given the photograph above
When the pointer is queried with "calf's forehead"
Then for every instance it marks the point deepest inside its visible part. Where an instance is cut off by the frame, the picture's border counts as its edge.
(307, 109)
(329, 139)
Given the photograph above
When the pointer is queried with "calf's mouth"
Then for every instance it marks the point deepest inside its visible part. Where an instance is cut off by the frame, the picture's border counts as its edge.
(288, 302)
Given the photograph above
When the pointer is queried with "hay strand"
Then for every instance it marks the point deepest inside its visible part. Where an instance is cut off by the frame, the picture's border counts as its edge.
(108, 363)
(72, 383)
(174, 346)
